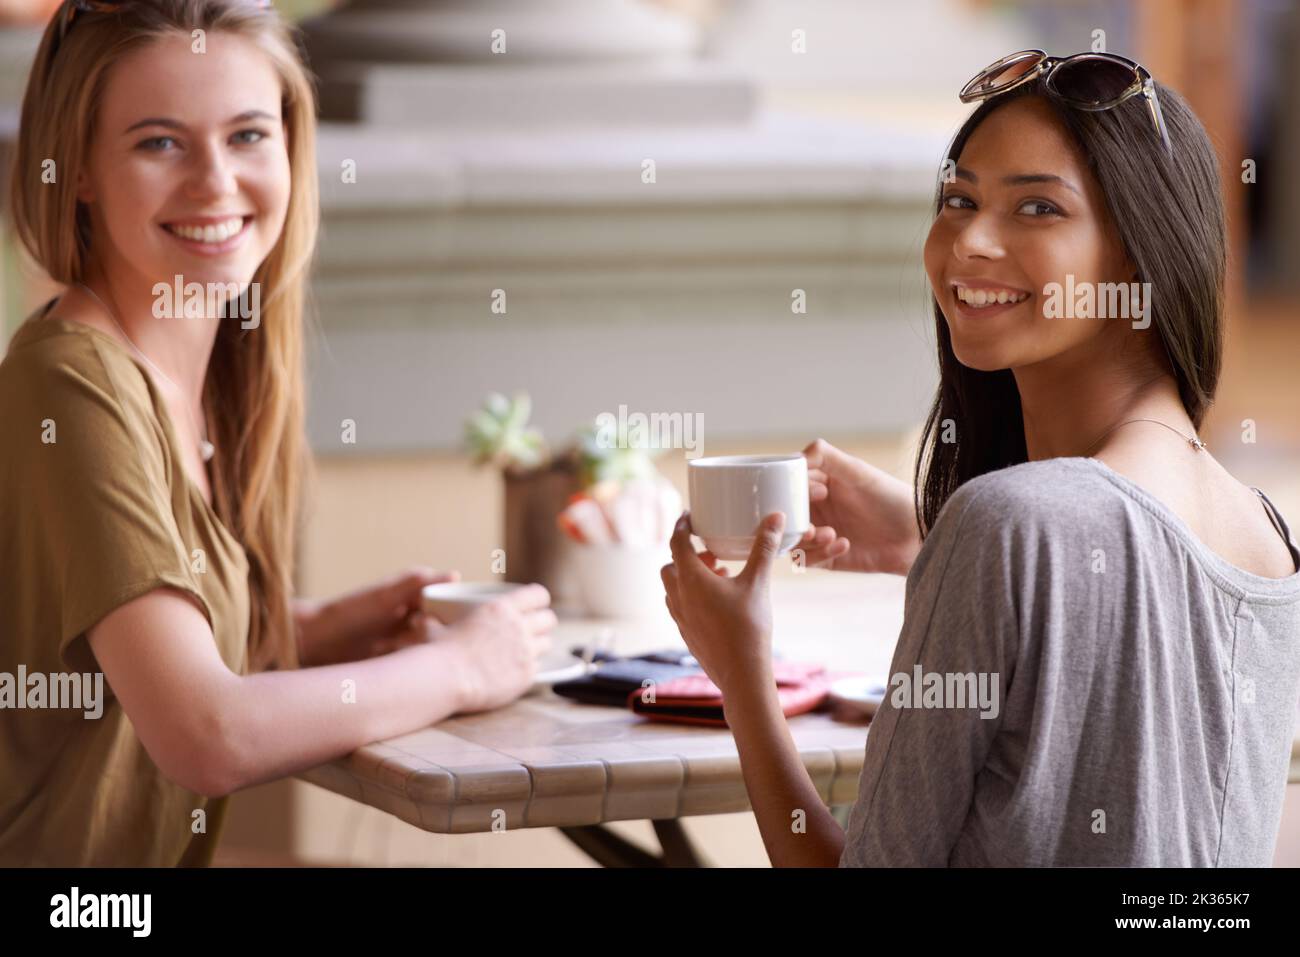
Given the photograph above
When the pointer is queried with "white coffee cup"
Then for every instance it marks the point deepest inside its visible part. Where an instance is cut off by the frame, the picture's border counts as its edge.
(730, 494)
(451, 601)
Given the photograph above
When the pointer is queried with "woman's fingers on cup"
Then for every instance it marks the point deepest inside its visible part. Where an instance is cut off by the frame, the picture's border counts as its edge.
(711, 560)
(837, 549)
(432, 626)
(825, 546)
(817, 537)
(680, 543)
(542, 621)
(403, 590)
(529, 598)
(820, 453)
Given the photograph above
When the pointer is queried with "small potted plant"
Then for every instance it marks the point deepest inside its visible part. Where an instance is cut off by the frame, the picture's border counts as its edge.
(537, 487)
(619, 523)
(590, 522)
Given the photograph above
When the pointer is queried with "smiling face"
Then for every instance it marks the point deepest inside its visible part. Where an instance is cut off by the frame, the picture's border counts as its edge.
(188, 173)
(1023, 211)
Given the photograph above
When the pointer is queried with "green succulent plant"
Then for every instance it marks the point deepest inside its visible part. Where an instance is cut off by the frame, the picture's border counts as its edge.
(498, 433)
(627, 457)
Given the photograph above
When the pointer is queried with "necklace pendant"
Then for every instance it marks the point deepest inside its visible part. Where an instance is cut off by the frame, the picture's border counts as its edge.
(1197, 444)
(207, 450)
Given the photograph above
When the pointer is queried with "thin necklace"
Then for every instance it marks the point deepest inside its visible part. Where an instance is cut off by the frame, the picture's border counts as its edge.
(1191, 440)
(206, 449)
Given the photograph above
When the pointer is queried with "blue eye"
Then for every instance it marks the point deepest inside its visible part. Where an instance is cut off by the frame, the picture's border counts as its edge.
(155, 143)
(238, 137)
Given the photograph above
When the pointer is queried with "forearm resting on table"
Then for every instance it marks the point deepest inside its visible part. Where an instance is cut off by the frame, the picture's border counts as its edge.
(278, 723)
(214, 731)
(779, 785)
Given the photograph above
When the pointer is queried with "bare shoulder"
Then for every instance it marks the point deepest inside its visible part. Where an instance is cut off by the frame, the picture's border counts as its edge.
(1226, 515)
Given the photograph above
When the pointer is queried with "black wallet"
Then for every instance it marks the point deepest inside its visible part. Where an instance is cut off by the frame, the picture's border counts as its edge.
(612, 681)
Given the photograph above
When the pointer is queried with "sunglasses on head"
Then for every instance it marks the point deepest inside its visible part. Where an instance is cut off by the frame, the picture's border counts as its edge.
(1085, 81)
(71, 8)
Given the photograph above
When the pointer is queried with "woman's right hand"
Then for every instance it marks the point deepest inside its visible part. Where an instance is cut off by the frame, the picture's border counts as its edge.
(864, 519)
(496, 647)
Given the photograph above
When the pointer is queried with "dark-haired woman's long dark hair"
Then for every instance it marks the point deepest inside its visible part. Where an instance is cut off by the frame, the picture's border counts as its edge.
(1169, 215)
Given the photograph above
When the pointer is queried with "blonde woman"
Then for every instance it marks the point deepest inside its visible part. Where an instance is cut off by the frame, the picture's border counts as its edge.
(152, 457)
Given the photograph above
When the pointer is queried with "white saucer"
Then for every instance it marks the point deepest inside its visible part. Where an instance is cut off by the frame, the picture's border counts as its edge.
(557, 666)
(860, 694)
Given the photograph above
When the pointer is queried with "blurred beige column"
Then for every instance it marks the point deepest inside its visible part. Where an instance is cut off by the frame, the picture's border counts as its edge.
(431, 31)
(659, 232)
(507, 63)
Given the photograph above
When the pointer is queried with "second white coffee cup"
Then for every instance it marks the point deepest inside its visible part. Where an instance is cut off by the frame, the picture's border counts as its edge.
(730, 494)
(449, 602)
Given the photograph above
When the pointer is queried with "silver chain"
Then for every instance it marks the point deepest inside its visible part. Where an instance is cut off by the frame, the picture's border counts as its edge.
(206, 449)
(1191, 440)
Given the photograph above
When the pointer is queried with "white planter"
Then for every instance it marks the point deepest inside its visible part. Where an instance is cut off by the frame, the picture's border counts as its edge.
(619, 581)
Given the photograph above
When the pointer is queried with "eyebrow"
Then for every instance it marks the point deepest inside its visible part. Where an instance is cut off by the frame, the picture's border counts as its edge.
(1022, 179)
(177, 125)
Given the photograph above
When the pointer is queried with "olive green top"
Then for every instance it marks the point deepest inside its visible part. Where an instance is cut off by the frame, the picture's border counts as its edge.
(95, 510)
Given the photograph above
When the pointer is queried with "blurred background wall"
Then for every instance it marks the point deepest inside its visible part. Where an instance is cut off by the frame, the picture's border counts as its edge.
(624, 202)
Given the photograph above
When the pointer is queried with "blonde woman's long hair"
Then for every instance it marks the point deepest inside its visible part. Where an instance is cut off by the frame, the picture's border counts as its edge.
(255, 376)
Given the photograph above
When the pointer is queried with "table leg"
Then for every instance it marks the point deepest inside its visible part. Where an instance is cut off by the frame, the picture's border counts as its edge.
(678, 850)
(609, 850)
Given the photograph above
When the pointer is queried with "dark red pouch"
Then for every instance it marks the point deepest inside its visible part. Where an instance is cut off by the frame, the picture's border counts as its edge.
(694, 699)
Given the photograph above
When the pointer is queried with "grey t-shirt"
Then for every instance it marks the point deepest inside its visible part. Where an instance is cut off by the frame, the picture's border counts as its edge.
(1139, 692)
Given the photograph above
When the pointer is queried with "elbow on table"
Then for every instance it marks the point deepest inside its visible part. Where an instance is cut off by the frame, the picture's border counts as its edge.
(206, 760)
(202, 772)
(208, 781)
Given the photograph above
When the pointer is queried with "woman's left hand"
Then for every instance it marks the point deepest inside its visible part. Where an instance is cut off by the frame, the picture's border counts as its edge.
(726, 622)
(371, 621)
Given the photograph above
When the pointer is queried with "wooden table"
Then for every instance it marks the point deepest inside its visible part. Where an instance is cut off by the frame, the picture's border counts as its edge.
(546, 761)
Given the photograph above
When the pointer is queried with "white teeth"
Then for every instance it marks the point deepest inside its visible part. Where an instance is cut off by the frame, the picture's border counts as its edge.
(988, 297)
(213, 233)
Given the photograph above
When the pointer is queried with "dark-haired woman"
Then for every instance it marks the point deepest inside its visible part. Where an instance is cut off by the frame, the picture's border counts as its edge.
(1070, 540)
